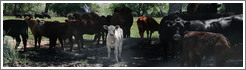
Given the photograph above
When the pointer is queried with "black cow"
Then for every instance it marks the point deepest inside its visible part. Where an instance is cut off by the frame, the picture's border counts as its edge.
(15, 29)
(18, 15)
(39, 15)
(27, 14)
(46, 15)
(173, 30)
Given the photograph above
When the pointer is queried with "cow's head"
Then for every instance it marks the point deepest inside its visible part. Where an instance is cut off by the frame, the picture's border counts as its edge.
(111, 29)
(40, 22)
(28, 18)
(177, 27)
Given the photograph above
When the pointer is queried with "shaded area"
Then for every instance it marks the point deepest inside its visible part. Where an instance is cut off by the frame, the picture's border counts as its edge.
(136, 53)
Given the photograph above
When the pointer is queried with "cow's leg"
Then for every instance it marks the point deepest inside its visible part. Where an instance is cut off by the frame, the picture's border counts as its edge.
(190, 59)
(147, 34)
(18, 40)
(54, 42)
(151, 32)
(98, 39)
(183, 59)
(24, 39)
(141, 33)
(95, 37)
(80, 41)
(109, 51)
(61, 42)
(39, 41)
(120, 50)
(116, 52)
(103, 37)
(35, 40)
(71, 43)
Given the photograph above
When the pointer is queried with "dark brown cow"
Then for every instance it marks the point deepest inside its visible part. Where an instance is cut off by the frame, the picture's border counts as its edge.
(147, 24)
(56, 30)
(50, 29)
(86, 23)
(15, 29)
(198, 44)
(122, 16)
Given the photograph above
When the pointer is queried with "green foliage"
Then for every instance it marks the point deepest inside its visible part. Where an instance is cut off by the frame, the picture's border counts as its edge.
(11, 56)
(221, 9)
(144, 9)
(65, 8)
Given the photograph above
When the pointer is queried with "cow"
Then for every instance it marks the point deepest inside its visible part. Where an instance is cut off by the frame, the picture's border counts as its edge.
(27, 14)
(36, 29)
(122, 16)
(46, 15)
(39, 15)
(15, 29)
(147, 24)
(18, 15)
(56, 30)
(114, 40)
(86, 23)
(230, 26)
(173, 26)
(103, 21)
(51, 29)
(70, 17)
(197, 44)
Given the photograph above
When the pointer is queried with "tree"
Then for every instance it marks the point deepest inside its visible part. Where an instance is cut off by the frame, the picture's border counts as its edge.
(65, 8)
(47, 5)
(141, 9)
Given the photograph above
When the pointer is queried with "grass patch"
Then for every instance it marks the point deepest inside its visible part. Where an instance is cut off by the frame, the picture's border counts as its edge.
(11, 57)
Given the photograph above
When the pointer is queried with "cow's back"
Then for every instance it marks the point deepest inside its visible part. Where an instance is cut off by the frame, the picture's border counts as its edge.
(15, 27)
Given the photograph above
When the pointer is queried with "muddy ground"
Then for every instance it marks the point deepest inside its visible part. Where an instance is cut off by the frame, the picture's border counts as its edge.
(136, 53)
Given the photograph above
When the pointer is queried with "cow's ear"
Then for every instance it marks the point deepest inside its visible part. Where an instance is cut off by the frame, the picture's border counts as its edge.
(105, 27)
(117, 26)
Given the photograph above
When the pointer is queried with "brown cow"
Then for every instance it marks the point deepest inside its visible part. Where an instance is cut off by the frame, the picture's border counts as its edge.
(122, 16)
(50, 29)
(147, 24)
(198, 44)
(36, 30)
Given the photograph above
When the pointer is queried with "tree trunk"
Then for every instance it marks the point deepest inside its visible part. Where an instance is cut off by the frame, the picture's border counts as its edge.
(47, 7)
(174, 8)
(236, 8)
(20, 7)
(162, 14)
(15, 9)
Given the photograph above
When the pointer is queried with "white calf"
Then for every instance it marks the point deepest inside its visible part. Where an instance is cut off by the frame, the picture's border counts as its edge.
(114, 40)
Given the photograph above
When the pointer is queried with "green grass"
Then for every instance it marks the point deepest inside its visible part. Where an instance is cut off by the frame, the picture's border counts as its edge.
(134, 28)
